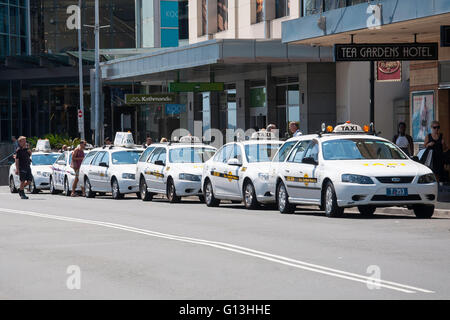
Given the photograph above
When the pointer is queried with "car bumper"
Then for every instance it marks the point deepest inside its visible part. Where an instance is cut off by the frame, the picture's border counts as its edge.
(350, 195)
(41, 183)
(263, 193)
(128, 186)
(186, 188)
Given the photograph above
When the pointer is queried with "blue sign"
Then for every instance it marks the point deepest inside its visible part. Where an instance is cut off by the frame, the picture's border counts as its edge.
(169, 38)
(169, 14)
(172, 109)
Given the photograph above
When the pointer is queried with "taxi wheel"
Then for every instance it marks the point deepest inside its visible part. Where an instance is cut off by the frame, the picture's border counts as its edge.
(145, 195)
(283, 199)
(88, 189)
(367, 211)
(423, 211)
(210, 200)
(66, 188)
(52, 186)
(332, 210)
(172, 193)
(115, 190)
(250, 200)
(12, 186)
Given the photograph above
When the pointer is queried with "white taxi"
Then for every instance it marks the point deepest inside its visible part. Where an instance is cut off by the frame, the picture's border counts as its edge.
(240, 172)
(41, 168)
(174, 169)
(348, 167)
(62, 175)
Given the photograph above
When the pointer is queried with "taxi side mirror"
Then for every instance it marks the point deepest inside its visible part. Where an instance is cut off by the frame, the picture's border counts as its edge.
(103, 164)
(234, 162)
(310, 160)
(415, 158)
(159, 163)
(61, 162)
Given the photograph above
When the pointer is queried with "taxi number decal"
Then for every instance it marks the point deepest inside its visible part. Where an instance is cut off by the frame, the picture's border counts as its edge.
(384, 165)
(304, 180)
(154, 173)
(228, 176)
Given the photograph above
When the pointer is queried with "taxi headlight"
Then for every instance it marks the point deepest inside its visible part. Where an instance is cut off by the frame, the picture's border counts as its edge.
(263, 176)
(355, 178)
(129, 176)
(43, 174)
(189, 177)
(427, 178)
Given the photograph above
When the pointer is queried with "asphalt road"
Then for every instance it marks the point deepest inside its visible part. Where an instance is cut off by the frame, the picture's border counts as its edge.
(129, 249)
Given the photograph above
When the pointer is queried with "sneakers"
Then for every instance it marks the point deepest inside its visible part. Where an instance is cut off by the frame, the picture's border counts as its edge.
(22, 195)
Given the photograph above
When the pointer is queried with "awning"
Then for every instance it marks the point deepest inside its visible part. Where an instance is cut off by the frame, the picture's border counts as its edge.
(213, 52)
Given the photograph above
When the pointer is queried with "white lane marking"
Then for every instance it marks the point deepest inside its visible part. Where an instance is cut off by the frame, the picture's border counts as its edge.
(234, 248)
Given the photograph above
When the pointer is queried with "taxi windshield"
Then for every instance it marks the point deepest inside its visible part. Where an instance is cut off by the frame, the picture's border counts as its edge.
(190, 155)
(125, 157)
(44, 159)
(359, 149)
(261, 152)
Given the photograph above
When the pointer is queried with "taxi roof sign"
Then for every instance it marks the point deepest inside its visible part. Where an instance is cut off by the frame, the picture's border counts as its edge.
(263, 135)
(124, 139)
(43, 145)
(348, 128)
(190, 139)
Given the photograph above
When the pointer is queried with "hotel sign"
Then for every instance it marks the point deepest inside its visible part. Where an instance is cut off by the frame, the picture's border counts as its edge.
(386, 52)
(149, 98)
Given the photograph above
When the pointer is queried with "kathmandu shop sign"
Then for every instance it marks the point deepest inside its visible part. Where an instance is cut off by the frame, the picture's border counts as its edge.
(386, 52)
(149, 98)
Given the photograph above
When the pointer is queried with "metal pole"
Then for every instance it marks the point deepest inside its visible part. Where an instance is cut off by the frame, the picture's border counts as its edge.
(372, 92)
(80, 70)
(97, 75)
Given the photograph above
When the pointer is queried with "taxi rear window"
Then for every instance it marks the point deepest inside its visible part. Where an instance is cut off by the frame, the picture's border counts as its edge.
(360, 149)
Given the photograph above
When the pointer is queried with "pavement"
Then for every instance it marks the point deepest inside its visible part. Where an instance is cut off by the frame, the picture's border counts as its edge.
(55, 247)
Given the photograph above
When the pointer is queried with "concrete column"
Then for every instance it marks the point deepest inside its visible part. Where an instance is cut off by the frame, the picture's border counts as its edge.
(271, 97)
(190, 112)
(242, 100)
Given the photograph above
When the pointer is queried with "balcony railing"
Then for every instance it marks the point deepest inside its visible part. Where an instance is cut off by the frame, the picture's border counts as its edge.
(317, 6)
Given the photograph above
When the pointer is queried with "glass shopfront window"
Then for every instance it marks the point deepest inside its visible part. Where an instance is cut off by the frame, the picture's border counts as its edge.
(282, 8)
(316, 6)
(288, 103)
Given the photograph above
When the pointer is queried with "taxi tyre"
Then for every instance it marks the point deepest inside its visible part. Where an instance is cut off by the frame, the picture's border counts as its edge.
(52, 186)
(367, 211)
(171, 192)
(115, 190)
(423, 211)
(250, 200)
(88, 189)
(145, 195)
(210, 201)
(281, 191)
(329, 199)
(12, 186)
(66, 187)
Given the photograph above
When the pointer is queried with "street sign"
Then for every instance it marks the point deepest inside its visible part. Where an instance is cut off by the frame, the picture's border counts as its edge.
(173, 109)
(386, 52)
(196, 86)
(149, 98)
(80, 114)
(80, 121)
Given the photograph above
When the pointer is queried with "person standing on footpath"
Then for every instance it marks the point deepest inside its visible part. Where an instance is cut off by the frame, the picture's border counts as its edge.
(404, 141)
(23, 165)
(77, 159)
(435, 143)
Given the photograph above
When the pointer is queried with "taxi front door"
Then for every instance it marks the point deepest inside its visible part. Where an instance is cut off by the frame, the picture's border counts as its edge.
(230, 172)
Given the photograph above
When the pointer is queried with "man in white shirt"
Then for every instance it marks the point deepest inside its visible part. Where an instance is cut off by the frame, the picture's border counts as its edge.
(294, 129)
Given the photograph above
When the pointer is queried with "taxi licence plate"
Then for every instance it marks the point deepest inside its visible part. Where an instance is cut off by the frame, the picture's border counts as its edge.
(397, 192)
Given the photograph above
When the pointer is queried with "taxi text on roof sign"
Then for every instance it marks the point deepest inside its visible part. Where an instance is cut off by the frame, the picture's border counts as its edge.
(348, 128)
(263, 135)
(124, 139)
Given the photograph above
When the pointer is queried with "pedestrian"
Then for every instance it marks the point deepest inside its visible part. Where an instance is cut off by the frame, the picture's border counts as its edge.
(108, 141)
(294, 129)
(77, 159)
(63, 148)
(148, 142)
(404, 141)
(14, 142)
(435, 144)
(164, 140)
(23, 165)
(271, 127)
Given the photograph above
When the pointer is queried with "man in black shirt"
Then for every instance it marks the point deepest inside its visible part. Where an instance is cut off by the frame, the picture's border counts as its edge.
(23, 165)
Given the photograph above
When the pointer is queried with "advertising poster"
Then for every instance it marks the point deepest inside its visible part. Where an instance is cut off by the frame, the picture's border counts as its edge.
(422, 114)
(388, 71)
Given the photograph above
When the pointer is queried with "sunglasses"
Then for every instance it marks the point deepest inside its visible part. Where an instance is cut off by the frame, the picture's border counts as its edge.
(437, 127)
